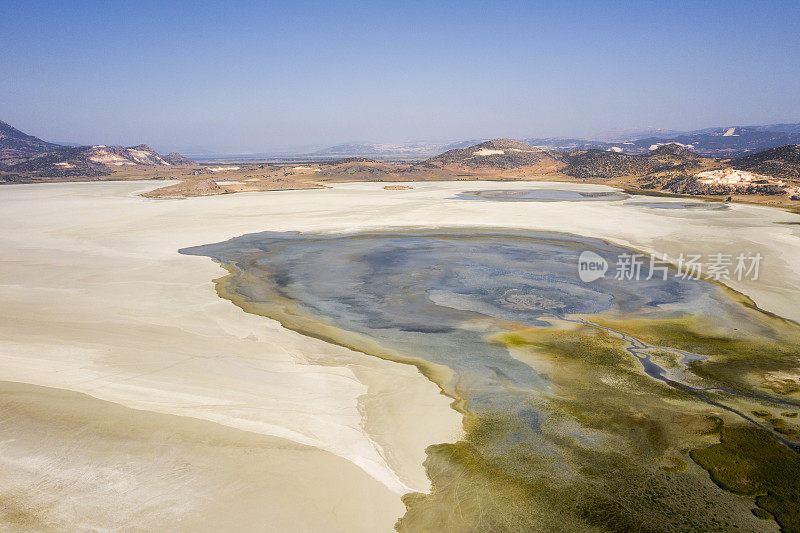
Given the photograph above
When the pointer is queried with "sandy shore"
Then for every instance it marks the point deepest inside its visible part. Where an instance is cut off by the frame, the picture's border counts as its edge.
(70, 462)
(96, 300)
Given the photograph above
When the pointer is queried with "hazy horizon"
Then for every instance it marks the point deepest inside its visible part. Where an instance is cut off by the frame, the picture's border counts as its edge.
(288, 77)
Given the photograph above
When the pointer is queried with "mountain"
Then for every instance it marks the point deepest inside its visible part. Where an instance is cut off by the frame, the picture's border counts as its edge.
(621, 135)
(672, 159)
(88, 161)
(781, 128)
(674, 168)
(24, 157)
(500, 154)
(722, 142)
(602, 164)
(733, 141)
(781, 162)
(725, 142)
(16, 145)
(608, 164)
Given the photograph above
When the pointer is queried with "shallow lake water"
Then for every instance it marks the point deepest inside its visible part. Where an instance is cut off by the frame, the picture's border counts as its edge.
(503, 324)
(541, 195)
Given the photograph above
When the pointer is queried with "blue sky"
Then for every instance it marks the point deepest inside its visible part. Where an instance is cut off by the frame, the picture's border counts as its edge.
(245, 77)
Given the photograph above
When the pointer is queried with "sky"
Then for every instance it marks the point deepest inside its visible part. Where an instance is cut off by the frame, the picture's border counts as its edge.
(274, 76)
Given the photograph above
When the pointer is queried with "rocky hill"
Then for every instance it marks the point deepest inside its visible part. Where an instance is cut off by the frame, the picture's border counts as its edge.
(672, 158)
(782, 162)
(603, 164)
(674, 168)
(174, 158)
(356, 168)
(60, 163)
(16, 145)
(503, 154)
(772, 173)
(196, 187)
(91, 161)
(27, 158)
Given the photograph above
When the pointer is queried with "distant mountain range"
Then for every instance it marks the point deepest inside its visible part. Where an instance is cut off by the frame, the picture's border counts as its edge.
(27, 156)
(671, 163)
(408, 150)
(669, 167)
(721, 142)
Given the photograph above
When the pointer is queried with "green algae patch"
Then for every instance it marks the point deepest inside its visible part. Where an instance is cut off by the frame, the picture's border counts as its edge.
(472, 491)
(749, 461)
(675, 464)
(620, 464)
(754, 358)
(468, 494)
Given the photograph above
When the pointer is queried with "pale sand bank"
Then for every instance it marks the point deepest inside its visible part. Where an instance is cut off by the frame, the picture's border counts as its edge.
(94, 298)
(76, 463)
